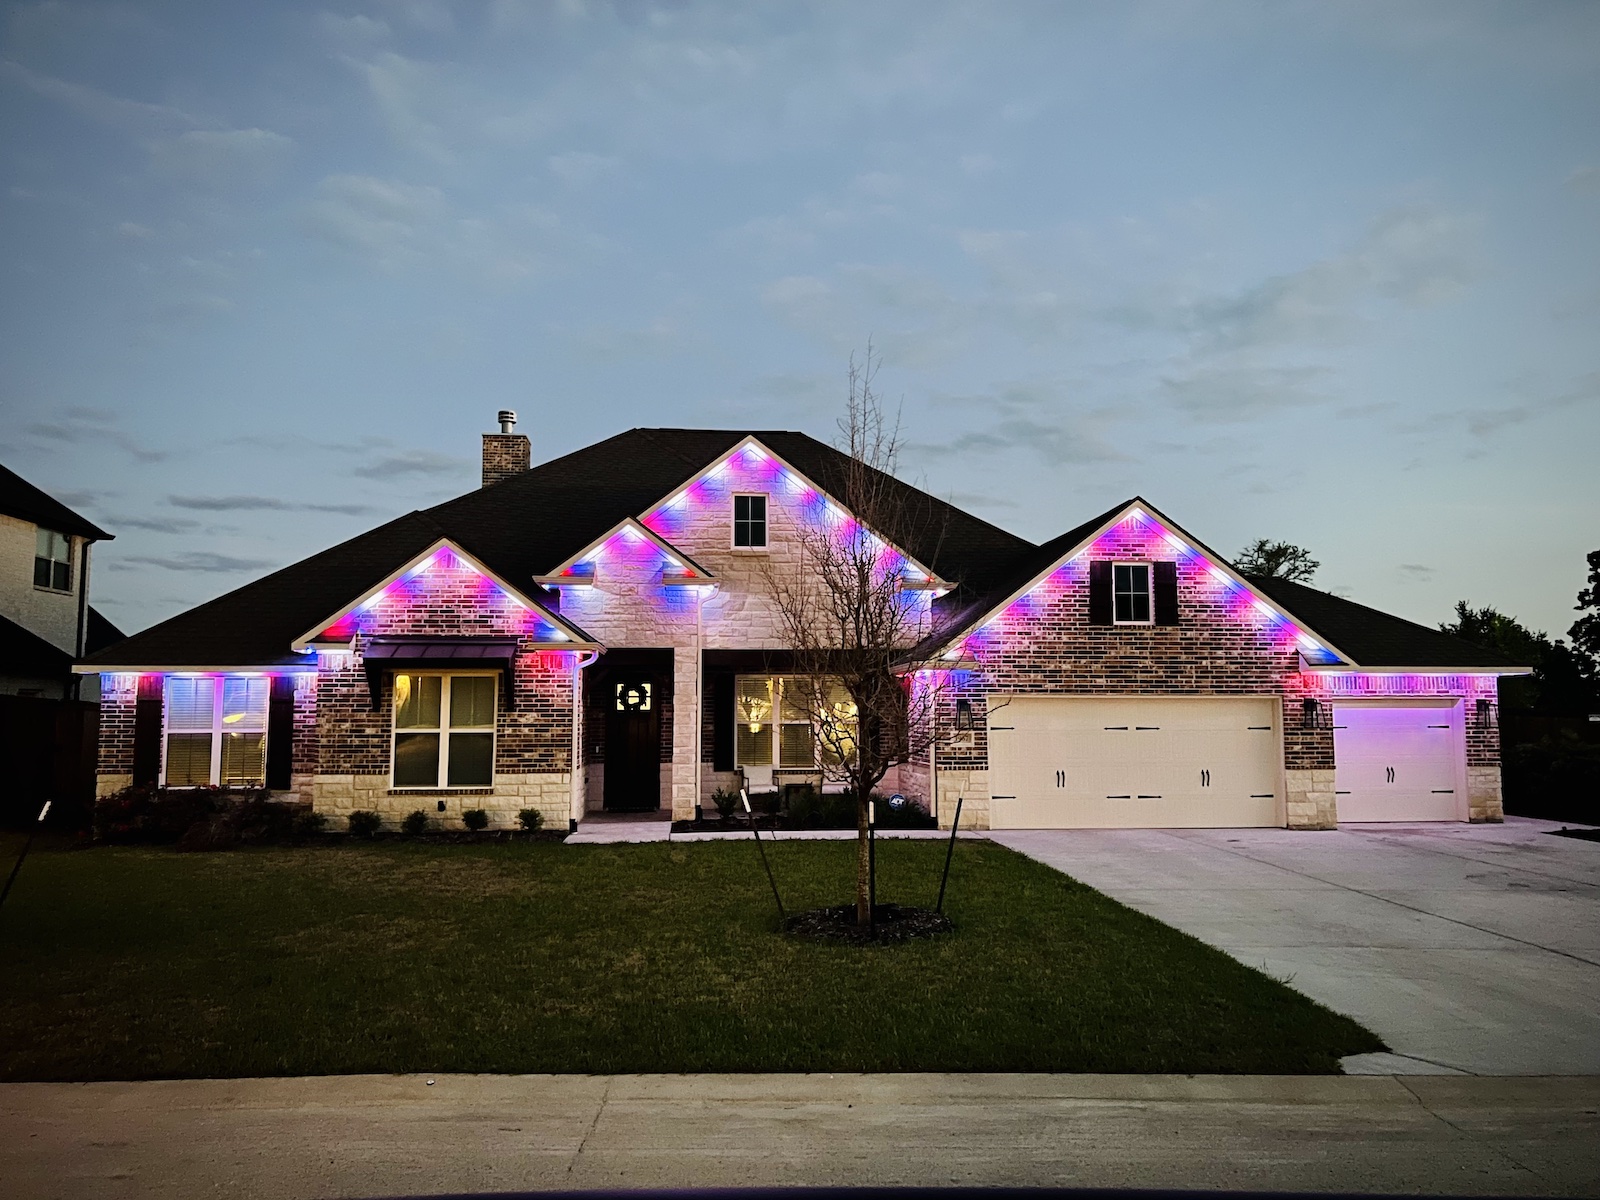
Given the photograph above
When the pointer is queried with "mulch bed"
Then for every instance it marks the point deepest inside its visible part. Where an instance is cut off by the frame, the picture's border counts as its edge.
(892, 923)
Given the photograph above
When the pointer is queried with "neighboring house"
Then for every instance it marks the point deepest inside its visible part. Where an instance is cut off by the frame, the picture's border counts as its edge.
(597, 633)
(46, 620)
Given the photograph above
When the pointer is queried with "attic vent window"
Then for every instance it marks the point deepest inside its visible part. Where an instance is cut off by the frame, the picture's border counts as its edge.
(750, 522)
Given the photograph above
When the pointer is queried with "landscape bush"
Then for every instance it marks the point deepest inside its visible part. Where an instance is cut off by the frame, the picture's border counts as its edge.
(530, 819)
(726, 800)
(416, 822)
(475, 819)
(364, 824)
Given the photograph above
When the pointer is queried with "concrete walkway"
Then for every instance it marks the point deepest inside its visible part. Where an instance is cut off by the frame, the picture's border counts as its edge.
(1471, 948)
(396, 1135)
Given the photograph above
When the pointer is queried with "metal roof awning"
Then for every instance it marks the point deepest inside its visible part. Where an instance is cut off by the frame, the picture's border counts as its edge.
(382, 655)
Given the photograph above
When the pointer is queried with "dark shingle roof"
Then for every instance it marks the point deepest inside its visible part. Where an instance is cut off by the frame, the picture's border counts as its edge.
(26, 654)
(521, 527)
(1373, 638)
(19, 498)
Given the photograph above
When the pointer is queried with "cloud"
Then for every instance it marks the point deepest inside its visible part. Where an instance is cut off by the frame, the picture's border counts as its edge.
(1585, 179)
(1241, 393)
(103, 108)
(1416, 257)
(1418, 573)
(157, 524)
(411, 462)
(1481, 422)
(1033, 417)
(262, 504)
(135, 231)
(92, 426)
(389, 224)
(222, 159)
(197, 560)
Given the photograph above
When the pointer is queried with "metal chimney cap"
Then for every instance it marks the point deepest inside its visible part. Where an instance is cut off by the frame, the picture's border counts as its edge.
(507, 419)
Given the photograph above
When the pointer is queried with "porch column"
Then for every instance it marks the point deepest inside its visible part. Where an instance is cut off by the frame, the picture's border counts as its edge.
(685, 730)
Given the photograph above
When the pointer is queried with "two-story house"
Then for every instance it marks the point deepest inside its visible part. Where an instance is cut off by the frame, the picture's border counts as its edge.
(599, 632)
(46, 620)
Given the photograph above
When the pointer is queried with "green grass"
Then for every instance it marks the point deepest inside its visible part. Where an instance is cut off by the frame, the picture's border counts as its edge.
(131, 963)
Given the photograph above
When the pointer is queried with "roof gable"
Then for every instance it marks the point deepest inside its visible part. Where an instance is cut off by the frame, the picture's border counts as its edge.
(1033, 569)
(579, 567)
(334, 629)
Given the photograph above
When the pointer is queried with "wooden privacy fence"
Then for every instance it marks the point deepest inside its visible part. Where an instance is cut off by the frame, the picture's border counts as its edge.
(47, 752)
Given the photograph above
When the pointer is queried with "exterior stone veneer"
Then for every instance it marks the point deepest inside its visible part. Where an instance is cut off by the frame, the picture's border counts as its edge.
(337, 796)
(971, 788)
(1483, 793)
(1311, 803)
(110, 785)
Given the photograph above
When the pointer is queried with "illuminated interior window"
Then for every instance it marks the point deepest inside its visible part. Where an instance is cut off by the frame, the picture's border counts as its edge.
(1130, 592)
(216, 730)
(815, 722)
(52, 561)
(749, 522)
(444, 730)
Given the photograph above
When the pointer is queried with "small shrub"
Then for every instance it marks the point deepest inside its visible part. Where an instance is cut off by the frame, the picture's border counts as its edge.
(365, 824)
(805, 807)
(726, 800)
(308, 823)
(475, 819)
(530, 819)
(416, 822)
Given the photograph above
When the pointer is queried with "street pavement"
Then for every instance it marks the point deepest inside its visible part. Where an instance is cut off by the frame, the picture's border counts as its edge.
(402, 1135)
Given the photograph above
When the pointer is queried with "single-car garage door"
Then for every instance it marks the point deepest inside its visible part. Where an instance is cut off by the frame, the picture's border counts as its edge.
(1060, 762)
(1398, 762)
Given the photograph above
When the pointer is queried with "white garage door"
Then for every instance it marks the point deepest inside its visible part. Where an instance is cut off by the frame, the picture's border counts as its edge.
(1068, 763)
(1397, 762)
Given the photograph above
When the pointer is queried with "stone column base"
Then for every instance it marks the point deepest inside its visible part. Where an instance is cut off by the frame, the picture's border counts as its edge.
(972, 789)
(1311, 801)
(110, 785)
(1483, 795)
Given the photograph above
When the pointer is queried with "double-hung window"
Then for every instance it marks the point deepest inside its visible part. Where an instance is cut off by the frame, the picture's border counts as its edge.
(52, 561)
(444, 731)
(1130, 594)
(216, 730)
(776, 725)
(750, 522)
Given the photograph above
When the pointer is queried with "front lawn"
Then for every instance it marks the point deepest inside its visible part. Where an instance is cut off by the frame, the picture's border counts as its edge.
(132, 963)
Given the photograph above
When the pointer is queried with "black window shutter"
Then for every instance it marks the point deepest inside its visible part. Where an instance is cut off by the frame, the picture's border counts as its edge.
(1164, 577)
(280, 734)
(1100, 592)
(147, 731)
(722, 731)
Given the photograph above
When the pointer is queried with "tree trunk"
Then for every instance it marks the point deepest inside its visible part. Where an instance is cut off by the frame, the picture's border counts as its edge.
(863, 862)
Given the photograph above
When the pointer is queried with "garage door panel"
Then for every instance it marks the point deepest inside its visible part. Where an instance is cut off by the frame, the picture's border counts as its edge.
(1397, 762)
(1058, 762)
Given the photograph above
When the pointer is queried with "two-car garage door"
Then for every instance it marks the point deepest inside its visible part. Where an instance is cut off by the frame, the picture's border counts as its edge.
(1059, 762)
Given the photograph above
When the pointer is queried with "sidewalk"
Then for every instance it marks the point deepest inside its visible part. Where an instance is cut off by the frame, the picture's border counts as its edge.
(397, 1135)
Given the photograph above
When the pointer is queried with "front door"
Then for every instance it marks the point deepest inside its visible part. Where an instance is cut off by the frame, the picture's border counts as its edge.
(633, 744)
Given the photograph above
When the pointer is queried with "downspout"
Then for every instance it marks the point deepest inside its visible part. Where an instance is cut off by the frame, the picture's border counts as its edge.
(699, 691)
(579, 772)
(933, 760)
(80, 644)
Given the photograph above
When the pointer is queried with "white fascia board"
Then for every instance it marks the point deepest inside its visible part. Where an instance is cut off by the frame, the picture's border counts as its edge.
(577, 638)
(678, 556)
(751, 440)
(1214, 560)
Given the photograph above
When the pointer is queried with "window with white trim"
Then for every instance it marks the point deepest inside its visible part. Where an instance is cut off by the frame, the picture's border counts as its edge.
(750, 522)
(52, 561)
(444, 730)
(216, 730)
(1130, 594)
(794, 738)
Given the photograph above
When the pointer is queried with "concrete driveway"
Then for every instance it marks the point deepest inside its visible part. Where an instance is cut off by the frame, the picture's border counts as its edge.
(1470, 948)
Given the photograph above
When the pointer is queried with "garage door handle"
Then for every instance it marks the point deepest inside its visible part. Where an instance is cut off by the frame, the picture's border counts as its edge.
(1205, 777)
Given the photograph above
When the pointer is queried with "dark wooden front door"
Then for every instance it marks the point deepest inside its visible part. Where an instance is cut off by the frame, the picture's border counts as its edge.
(633, 744)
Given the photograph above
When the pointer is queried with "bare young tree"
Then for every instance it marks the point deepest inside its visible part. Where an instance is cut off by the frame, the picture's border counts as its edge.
(851, 602)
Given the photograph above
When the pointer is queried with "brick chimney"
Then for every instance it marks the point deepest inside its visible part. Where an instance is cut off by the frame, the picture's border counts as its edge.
(505, 453)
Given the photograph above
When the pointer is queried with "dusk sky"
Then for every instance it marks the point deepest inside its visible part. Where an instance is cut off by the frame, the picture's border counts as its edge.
(1327, 273)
